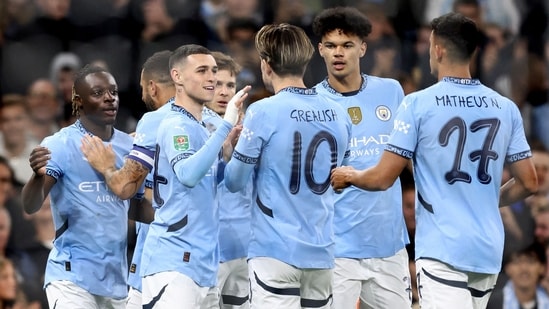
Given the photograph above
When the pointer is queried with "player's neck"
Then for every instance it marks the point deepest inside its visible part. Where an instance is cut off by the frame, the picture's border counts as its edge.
(280, 83)
(190, 105)
(345, 84)
(103, 131)
(454, 70)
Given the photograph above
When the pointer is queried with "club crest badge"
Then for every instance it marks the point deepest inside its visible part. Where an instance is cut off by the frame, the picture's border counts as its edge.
(355, 113)
(181, 142)
(383, 113)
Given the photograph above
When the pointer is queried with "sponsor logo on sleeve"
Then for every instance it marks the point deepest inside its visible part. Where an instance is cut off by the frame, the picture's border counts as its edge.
(181, 142)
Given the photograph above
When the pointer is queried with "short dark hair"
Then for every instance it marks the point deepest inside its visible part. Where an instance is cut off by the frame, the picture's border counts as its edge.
(349, 19)
(79, 78)
(459, 33)
(185, 51)
(157, 67)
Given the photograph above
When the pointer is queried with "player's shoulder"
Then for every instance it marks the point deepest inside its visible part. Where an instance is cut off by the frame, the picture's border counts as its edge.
(122, 136)
(63, 135)
(156, 114)
(382, 81)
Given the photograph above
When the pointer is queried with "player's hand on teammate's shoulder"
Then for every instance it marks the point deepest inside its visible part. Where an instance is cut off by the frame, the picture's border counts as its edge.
(340, 177)
(38, 159)
(99, 156)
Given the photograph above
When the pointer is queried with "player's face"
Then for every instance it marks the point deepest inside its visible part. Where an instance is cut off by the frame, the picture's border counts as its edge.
(99, 98)
(341, 53)
(432, 57)
(197, 76)
(145, 93)
(225, 89)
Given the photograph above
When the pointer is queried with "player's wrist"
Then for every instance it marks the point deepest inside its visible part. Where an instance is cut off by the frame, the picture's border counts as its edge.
(108, 171)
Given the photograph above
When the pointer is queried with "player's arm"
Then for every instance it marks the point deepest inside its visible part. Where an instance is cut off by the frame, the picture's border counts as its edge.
(523, 184)
(193, 169)
(39, 185)
(141, 210)
(124, 182)
(376, 178)
(237, 173)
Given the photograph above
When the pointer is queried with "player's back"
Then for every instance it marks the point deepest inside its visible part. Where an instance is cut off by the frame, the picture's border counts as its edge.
(465, 132)
(303, 137)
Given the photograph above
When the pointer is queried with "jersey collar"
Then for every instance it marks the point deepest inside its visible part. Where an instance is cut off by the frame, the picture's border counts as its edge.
(461, 81)
(177, 108)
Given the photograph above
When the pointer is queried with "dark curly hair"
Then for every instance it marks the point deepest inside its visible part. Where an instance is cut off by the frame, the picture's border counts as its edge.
(349, 19)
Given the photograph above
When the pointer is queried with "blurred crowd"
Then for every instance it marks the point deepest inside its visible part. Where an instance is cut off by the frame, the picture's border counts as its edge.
(43, 42)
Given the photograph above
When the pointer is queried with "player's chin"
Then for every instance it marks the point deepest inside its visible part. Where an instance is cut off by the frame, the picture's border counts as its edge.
(109, 121)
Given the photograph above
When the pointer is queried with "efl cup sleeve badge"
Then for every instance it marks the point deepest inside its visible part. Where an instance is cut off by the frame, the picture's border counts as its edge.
(355, 113)
(383, 113)
(181, 142)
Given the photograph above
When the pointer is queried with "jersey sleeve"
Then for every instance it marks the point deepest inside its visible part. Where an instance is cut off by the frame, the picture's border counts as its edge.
(189, 157)
(55, 167)
(255, 132)
(403, 138)
(144, 142)
(518, 146)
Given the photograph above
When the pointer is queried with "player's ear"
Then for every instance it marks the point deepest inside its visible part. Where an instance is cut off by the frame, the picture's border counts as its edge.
(363, 48)
(265, 67)
(175, 76)
(152, 88)
(320, 48)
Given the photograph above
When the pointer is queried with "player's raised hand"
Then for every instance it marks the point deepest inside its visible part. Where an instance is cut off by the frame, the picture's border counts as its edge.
(340, 177)
(100, 157)
(235, 104)
(38, 159)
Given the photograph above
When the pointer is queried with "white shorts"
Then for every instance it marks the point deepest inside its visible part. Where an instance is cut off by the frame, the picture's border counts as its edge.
(442, 286)
(171, 289)
(233, 284)
(275, 284)
(67, 295)
(134, 299)
(377, 282)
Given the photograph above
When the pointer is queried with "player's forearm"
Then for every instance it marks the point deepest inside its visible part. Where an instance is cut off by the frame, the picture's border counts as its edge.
(194, 168)
(33, 195)
(513, 191)
(126, 181)
(237, 174)
(141, 210)
(368, 179)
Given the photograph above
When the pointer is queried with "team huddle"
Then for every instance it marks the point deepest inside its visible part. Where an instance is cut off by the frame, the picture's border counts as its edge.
(292, 201)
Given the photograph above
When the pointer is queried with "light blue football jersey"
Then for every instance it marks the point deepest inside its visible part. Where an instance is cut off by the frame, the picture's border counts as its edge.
(459, 134)
(183, 235)
(90, 221)
(368, 224)
(234, 208)
(295, 138)
(144, 147)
